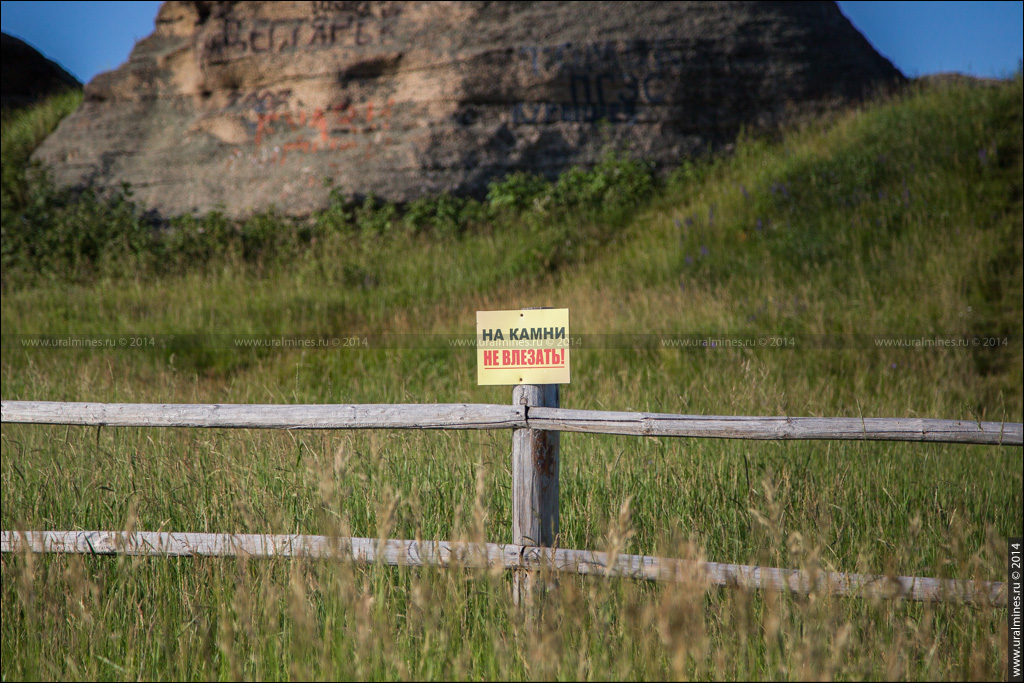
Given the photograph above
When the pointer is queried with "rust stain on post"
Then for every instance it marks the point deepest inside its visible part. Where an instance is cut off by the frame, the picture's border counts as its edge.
(545, 459)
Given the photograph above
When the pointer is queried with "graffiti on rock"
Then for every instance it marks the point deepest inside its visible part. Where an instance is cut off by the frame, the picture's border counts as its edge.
(609, 80)
(331, 25)
(279, 131)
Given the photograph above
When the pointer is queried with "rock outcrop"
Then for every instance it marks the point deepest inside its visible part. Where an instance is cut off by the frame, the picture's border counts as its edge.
(26, 76)
(245, 105)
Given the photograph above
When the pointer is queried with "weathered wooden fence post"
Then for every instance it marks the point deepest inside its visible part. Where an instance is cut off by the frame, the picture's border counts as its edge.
(534, 483)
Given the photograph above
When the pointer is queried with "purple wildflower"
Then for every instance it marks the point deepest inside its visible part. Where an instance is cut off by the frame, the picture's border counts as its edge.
(780, 188)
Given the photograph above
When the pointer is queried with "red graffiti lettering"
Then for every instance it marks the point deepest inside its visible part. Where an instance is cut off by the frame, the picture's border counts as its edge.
(321, 129)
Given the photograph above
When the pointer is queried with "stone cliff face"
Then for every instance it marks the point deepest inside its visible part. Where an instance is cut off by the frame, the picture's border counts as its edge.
(244, 105)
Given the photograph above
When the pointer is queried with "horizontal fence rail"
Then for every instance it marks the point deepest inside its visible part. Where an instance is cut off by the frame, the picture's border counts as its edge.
(483, 555)
(485, 416)
(256, 416)
(780, 428)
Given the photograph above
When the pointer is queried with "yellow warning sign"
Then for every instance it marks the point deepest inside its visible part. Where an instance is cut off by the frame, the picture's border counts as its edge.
(528, 346)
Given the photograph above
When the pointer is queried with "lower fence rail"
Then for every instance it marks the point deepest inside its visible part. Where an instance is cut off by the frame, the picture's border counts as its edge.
(508, 556)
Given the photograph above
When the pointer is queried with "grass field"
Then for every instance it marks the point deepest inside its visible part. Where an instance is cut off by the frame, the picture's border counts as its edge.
(903, 217)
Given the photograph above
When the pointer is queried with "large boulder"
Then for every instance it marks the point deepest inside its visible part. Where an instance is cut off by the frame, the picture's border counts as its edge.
(247, 105)
(27, 76)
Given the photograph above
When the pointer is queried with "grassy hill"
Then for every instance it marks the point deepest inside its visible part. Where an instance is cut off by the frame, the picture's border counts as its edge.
(897, 222)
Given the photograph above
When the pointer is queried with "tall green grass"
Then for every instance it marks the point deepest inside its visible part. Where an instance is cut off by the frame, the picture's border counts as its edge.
(24, 130)
(901, 217)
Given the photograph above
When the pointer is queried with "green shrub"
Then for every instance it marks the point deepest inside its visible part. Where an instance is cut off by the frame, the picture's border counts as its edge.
(614, 184)
(374, 218)
(61, 236)
(516, 192)
(336, 218)
(442, 215)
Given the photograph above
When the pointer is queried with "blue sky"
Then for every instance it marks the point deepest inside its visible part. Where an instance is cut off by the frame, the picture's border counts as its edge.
(920, 38)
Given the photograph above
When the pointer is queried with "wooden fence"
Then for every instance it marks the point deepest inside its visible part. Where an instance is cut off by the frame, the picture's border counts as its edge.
(536, 421)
